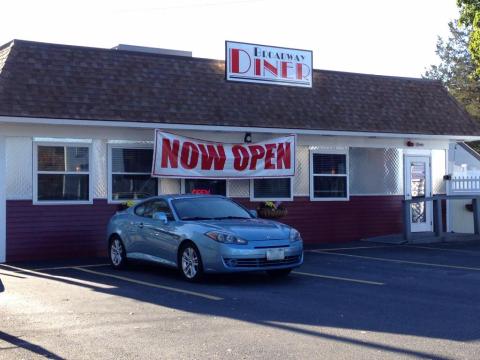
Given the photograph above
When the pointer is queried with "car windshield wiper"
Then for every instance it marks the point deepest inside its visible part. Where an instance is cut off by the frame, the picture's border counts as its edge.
(196, 218)
(230, 217)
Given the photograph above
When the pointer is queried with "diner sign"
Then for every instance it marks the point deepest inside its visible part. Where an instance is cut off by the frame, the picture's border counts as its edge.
(184, 157)
(268, 64)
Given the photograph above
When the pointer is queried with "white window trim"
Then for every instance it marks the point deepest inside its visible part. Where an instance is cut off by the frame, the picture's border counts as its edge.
(252, 192)
(346, 175)
(227, 185)
(128, 145)
(36, 144)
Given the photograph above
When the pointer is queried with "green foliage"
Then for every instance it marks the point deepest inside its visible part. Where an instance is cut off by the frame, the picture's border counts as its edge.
(468, 10)
(128, 203)
(456, 69)
(470, 17)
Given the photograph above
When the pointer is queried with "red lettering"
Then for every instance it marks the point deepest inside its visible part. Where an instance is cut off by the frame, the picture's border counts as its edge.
(258, 152)
(189, 155)
(212, 155)
(283, 156)
(285, 66)
(201, 191)
(299, 72)
(240, 157)
(257, 67)
(270, 67)
(269, 156)
(235, 61)
(170, 153)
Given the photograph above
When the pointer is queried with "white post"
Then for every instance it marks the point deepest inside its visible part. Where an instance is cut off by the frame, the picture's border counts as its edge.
(3, 203)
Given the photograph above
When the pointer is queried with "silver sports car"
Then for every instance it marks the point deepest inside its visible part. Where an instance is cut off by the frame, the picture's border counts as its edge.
(202, 234)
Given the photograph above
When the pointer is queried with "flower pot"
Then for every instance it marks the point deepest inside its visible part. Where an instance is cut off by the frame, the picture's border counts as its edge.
(269, 213)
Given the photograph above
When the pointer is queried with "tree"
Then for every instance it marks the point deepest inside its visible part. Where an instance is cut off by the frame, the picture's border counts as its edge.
(456, 69)
(470, 17)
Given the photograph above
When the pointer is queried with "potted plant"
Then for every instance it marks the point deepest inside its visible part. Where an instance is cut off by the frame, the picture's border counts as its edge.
(271, 210)
(126, 204)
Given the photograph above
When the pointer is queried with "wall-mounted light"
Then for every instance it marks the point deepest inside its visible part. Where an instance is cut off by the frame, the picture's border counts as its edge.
(248, 137)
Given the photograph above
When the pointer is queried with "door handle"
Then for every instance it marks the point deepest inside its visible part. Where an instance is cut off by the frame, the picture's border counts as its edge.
(140, 225)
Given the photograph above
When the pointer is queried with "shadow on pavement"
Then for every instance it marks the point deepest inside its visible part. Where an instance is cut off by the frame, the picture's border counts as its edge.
(21, 343)
(420, 303)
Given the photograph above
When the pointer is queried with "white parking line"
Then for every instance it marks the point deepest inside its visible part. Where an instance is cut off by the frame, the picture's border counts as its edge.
(170, 288)
(399, 261)
(70, 267)
(338, 278)
(460, 251)
(353, 248)
(71, 280)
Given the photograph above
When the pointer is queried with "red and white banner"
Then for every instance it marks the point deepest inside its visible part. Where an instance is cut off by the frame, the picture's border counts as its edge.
(185, 157)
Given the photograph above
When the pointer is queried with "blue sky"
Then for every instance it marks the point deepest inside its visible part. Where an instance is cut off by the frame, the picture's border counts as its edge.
(370, 36)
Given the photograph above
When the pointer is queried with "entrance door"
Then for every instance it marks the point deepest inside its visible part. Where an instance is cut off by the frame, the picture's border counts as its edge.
(418, 185)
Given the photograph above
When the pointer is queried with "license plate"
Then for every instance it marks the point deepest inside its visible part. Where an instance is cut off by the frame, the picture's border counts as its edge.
(275, 254)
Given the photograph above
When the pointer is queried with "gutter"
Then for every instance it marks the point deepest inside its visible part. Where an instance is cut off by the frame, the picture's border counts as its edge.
(169, 126)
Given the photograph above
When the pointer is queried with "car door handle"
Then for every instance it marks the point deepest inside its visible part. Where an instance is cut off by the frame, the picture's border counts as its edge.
(140, 225)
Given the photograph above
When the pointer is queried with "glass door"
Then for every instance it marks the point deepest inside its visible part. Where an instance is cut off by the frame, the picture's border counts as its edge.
(418, 185)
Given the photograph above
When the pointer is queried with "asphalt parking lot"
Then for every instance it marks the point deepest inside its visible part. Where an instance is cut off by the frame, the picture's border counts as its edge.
(361, 300)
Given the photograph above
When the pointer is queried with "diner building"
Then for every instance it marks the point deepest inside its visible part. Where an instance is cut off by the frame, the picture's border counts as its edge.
(77, 130)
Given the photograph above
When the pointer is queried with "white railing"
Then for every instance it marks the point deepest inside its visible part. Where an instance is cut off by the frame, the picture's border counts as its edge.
(464, 184)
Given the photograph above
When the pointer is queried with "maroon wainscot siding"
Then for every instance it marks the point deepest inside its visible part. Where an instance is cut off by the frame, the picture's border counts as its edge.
(342, 221)
(74, 231)
(37, 232)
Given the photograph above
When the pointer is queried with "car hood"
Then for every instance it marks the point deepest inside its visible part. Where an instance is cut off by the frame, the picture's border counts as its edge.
(251, 229)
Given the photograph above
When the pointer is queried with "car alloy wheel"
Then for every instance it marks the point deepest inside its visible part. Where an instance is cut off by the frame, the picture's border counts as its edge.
(117, 253)
(191, 263)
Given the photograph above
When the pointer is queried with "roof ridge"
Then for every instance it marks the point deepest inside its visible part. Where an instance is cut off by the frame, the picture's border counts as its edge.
(393, 77)
(57, 45)
(379, 75)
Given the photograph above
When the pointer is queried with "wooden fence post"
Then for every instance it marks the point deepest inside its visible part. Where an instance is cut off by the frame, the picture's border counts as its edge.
(437, 217)
(476, 216)
(407, 228)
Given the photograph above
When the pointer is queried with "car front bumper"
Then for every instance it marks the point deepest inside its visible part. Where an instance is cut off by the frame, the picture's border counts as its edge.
(253, 257)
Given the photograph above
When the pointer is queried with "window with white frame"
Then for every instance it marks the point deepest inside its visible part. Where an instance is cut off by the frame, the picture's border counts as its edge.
(271, 189)
(62, 173)
(329, 175)
(130, 173)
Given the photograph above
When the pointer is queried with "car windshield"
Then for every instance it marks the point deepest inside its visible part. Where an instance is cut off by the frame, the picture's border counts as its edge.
(204, 208)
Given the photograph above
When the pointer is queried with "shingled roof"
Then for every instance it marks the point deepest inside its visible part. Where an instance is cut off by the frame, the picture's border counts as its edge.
(70, 82)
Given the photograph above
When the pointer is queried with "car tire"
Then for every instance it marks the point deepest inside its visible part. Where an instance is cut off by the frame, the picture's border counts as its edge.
(280, 273)
(190, 262)
(117, 253)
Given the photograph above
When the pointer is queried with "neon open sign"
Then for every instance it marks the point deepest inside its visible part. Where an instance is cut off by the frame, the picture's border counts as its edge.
(268, 64)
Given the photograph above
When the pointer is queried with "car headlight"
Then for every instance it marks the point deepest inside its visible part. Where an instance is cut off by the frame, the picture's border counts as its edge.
(226, 238)
(294, 235)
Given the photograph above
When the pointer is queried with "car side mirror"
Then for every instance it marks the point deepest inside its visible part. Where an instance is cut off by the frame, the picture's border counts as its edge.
(160, 215)
(253, 213)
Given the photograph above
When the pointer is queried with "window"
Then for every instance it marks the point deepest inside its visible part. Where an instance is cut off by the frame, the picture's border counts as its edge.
(148, 208)
(205, 186)
(62, 173)
(271, 189)
(329, 176)
(130, 177)
(209, 208)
